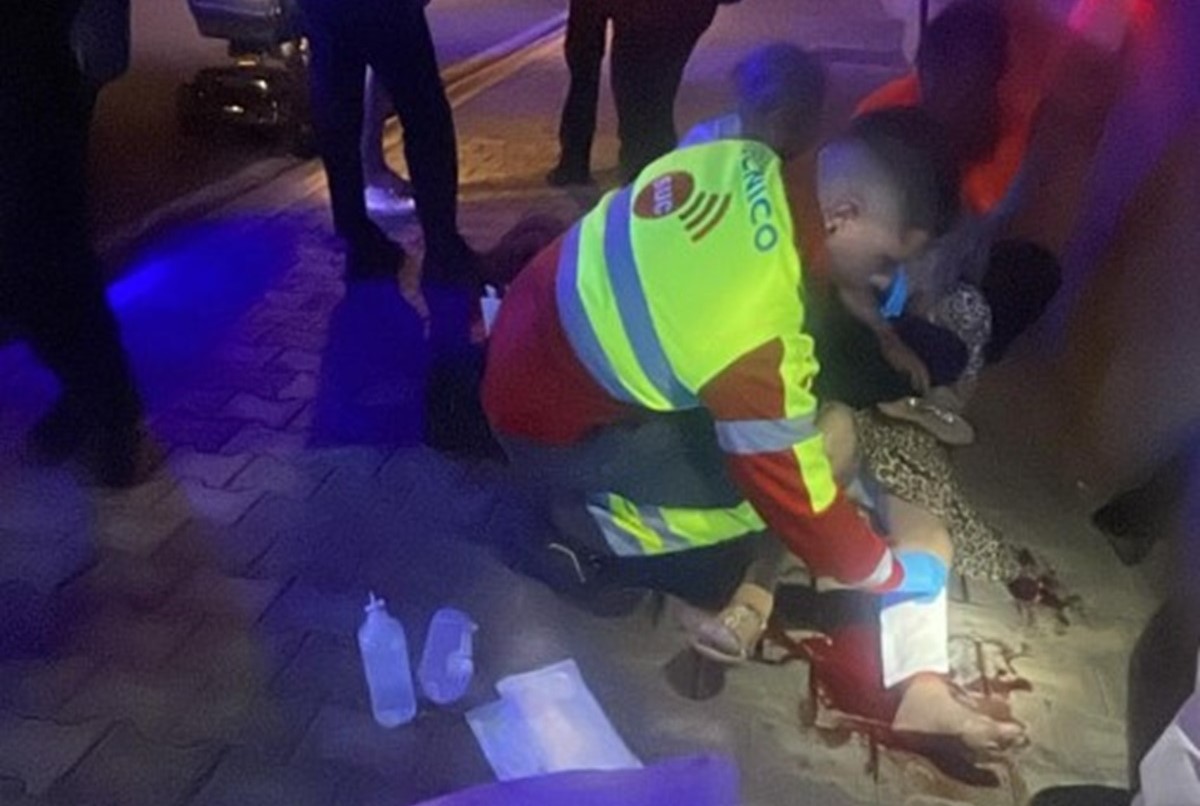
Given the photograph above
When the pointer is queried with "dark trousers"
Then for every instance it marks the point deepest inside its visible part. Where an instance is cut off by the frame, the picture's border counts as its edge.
(392, 36)
(587, 29)
(51, 285)
(670, 460)
(650, 49)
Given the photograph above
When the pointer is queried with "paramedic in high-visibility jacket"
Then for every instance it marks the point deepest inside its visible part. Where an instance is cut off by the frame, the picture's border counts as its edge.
(649, 374)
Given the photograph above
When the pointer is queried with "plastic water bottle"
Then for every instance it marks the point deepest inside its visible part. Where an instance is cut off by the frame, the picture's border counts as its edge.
(489, 304)
(448, 662)
(385, 661)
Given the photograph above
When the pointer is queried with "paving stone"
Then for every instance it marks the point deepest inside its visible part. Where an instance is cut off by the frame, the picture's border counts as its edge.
(209, 592)
(429, 756)
(323, 546)
(1076, 745)
(297, 338)
(152, 701)
(307, 361)
(140, 583)
(42, 500)
(1066, 678)
(144, 496)
(258, 439)
(243, 778)
(210, 469)
(410, 464)
(38, 688)
(129, 769)
(305, 421)
(359, 461)
(274, 726)
(271, 413)
(781, 784)
(275, 514)
(221, 507)
(43, 559)
(202, 402)
(327, 669)
(38, 751)
(987, 593)
(12, 793)
(140, 533)
(304, 387)
(304, 608)
(124, 637)
(1112, 675)
(269, 474)
(903, 777)
(289, 300)
(248, 355)
(204, 434)
(201, 544)
(956, 588)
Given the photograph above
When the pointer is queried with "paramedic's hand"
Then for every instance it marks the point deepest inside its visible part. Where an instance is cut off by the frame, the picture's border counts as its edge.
(925, 574)
(902, 359)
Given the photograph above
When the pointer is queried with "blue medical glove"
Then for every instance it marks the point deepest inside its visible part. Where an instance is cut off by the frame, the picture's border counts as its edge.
(925, 574)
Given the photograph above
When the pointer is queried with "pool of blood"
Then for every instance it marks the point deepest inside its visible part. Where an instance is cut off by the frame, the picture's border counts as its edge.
(846, 676)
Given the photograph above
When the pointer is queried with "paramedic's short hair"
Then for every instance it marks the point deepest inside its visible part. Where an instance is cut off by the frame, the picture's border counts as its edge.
(904, 154)
(780, 75)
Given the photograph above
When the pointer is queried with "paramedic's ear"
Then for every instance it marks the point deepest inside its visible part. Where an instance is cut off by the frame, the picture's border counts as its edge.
(841, 214)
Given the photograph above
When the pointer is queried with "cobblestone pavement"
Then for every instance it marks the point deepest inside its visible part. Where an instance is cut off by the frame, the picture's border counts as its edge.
(192, 641)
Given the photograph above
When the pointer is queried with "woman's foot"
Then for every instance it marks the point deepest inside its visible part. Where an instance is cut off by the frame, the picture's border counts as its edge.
(731, 635)
(931, 705)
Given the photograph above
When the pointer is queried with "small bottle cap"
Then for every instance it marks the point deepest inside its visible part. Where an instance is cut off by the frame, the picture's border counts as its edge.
(374, 603)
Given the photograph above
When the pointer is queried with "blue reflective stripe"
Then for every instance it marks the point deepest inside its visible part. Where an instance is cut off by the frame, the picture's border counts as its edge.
(653, 517)
(632, 304)
(763, 436)
(619, 540)
(624, 542)
(576, 324)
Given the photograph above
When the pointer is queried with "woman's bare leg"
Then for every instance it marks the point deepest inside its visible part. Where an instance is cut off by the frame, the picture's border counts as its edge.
(929, 704)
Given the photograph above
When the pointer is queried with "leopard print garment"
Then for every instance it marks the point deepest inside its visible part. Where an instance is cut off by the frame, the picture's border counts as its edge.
(964, 310)
(914, 466)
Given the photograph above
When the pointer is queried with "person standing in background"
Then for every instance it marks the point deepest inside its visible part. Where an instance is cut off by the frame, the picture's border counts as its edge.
(51, 285)
(393, 38)
(651, 46)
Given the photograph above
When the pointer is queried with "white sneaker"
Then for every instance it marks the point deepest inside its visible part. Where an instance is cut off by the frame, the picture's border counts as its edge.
(386, 201)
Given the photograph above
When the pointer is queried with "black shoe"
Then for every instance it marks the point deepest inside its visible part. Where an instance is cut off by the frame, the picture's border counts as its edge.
(564, 176)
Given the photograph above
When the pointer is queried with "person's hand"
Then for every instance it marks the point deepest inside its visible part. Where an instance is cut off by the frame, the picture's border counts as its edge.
(925, 573)
(902, 359)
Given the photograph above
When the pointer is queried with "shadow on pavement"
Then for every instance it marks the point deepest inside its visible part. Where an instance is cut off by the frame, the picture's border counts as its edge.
(373, 370)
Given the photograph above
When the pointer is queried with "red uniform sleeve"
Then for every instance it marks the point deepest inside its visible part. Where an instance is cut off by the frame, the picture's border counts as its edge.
(765, 416)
